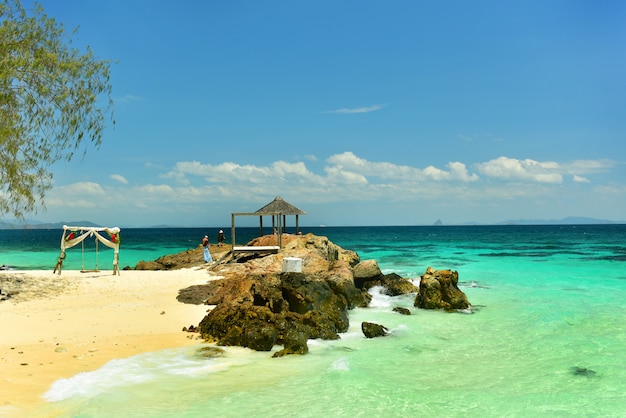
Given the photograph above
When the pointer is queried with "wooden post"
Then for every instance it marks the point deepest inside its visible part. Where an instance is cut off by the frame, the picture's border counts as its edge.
(260, 225)
(232, 230)
(280, 233)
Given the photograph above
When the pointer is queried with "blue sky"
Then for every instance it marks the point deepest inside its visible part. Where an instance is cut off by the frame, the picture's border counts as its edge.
(358, 112)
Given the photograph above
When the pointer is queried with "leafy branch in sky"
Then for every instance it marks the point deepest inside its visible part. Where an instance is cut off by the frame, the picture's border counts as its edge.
(53, 99)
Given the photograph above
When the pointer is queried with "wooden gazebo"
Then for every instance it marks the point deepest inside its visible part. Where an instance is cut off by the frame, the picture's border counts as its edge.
(280, 207)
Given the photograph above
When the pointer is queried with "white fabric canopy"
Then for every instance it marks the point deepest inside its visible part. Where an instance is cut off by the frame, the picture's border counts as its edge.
(74, 235)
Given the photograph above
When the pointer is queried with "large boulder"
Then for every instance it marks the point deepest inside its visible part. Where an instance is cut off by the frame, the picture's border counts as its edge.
(439, 290)
(395, 285)
(392, 284)
(261, 311)
(366, 271)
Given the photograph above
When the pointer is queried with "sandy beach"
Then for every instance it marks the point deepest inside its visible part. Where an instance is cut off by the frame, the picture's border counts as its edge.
(57, 326)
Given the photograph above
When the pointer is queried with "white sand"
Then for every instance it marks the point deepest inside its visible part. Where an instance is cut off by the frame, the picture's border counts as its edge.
(58, 326)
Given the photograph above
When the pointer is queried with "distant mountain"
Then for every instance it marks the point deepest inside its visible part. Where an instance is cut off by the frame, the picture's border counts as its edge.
(570, 220)
(163, 226)
(41, 225)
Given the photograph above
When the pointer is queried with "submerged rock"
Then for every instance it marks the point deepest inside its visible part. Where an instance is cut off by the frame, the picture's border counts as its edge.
(582, 371)
(210, 352)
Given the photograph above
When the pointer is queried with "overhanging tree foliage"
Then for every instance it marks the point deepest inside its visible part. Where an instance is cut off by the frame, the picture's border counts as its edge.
(54, 99)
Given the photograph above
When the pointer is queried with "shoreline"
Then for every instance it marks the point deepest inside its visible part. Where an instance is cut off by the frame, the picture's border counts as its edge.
(58, 326)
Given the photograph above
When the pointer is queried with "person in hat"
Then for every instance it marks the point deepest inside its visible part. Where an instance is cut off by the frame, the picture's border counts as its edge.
(220, 238)
(206, 248)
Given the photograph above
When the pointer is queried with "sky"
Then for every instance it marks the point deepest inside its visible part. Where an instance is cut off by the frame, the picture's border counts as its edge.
(357, 112)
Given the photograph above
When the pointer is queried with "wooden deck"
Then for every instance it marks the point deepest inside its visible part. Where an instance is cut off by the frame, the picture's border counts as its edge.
(256, 249)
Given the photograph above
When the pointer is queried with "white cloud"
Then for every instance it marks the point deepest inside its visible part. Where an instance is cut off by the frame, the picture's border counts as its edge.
(76, 195)
(119, 178)
(86, 188)
(588, 166)
(156, 190)
(389, 171)
(336, 176)
(458, 171)
(504, 168)
(346, 110)
(193, 190)
(129, 98)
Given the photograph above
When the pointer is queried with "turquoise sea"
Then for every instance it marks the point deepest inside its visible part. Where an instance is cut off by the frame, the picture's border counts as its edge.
(547, 338)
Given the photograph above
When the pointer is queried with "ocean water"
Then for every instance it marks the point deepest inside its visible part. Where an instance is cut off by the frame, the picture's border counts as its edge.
(547, 337)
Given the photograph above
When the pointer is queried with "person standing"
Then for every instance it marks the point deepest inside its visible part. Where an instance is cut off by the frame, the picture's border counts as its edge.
(220, 238)
(206, 248)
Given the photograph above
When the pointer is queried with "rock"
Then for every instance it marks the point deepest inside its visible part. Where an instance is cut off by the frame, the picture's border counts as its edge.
(261, 337)
(295, 342)
(395, 285)
(257, 305)
(189, 258)
(210, 352)
(372, 330)
(403, 311)
(256, 297)
(582, 371)
(4, 295)
(209, 294)
(366, 271)
(439, 290)
(260, 311)
(341, 282)
(148, 265)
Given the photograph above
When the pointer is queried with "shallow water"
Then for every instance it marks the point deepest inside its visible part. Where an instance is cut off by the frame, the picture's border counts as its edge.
(547, 338)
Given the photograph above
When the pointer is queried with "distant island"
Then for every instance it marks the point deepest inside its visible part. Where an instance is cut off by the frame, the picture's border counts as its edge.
(570, 220)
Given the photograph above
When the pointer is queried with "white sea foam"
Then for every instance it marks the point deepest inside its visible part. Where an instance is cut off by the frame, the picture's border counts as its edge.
(341, 364)
(135, 370)
(379, 299)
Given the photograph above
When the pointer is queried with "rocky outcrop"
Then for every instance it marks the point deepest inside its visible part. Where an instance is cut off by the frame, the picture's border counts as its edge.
(439, 289)
(287, 308)
(259, 306)
(189, 258)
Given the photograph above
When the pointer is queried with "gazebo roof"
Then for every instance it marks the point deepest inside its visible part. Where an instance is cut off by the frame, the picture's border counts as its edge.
(280, 206)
